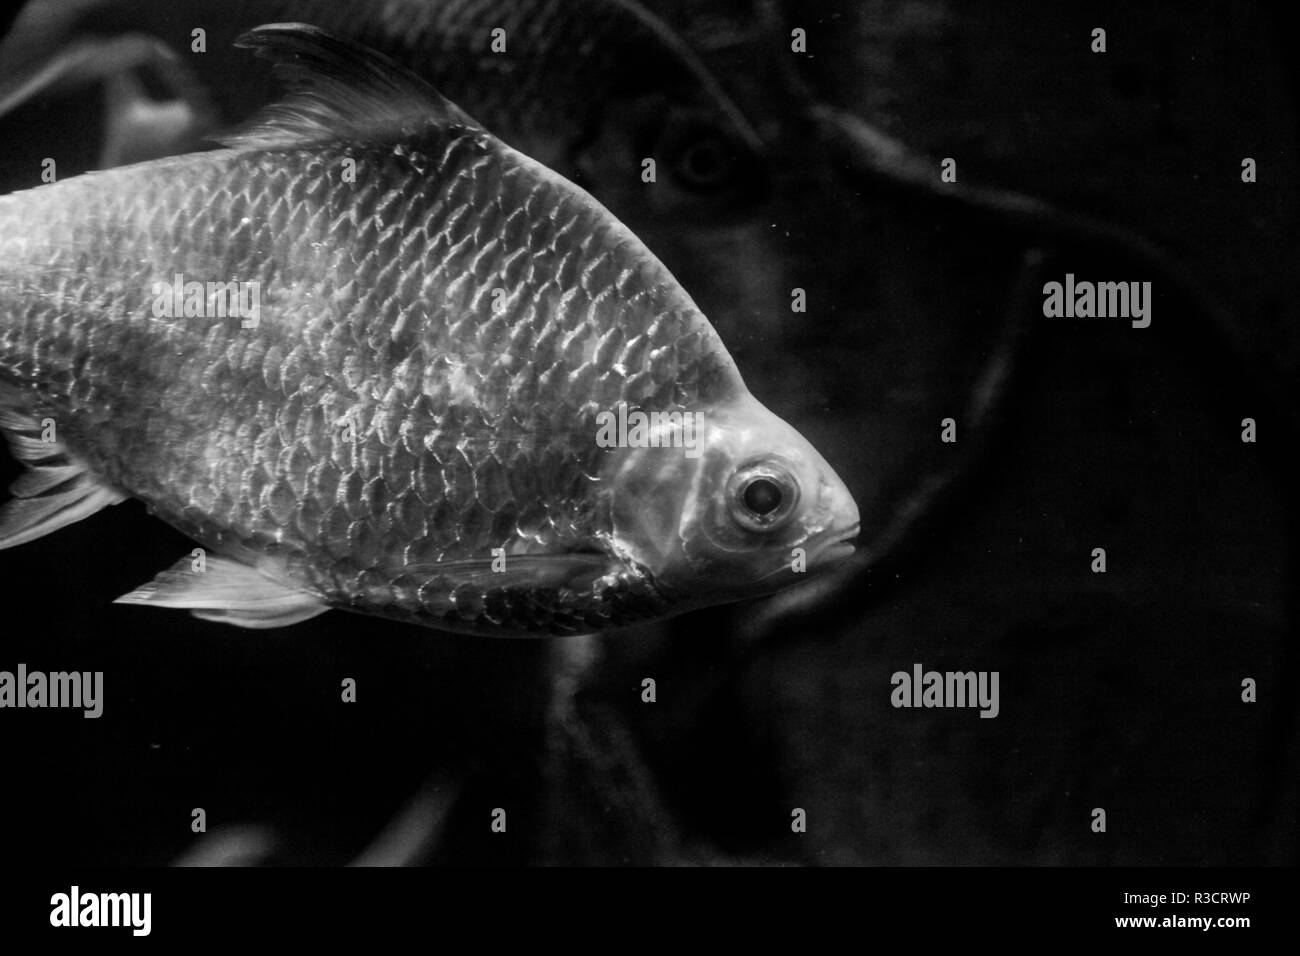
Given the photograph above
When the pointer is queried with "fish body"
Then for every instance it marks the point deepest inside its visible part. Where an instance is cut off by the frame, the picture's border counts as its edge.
(410, 426)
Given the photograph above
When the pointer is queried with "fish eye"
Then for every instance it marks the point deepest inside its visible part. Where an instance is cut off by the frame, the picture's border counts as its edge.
(703, 162)
(762, 496)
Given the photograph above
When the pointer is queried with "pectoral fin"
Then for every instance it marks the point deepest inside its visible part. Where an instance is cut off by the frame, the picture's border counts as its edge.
(229, 592)
(55, 491)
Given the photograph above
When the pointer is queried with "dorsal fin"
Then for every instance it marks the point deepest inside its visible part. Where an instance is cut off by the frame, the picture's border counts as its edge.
(337, 90)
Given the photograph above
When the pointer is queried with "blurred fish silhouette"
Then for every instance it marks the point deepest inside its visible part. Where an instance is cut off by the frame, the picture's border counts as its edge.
(544, 82)
(406, 415)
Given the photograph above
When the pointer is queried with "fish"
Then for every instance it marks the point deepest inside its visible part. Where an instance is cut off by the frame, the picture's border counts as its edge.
(404, 416)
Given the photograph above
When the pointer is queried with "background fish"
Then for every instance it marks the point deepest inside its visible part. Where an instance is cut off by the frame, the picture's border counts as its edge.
(435, 344)
(546, 84)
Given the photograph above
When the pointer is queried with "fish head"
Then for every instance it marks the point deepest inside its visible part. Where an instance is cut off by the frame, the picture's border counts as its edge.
(745, 507)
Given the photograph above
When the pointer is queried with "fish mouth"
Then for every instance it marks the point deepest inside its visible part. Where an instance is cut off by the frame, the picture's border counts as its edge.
(843, 545)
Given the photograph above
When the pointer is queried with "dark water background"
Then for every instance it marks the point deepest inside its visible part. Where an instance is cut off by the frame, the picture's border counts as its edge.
(1118, 691)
